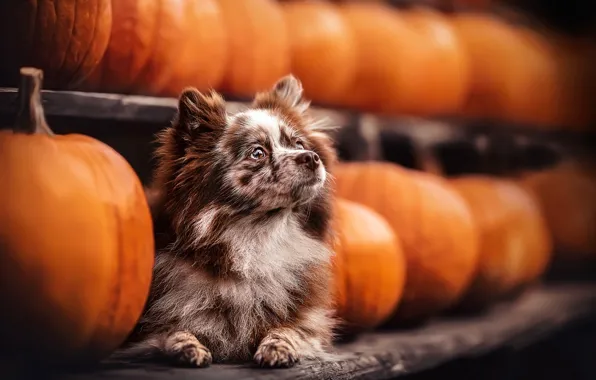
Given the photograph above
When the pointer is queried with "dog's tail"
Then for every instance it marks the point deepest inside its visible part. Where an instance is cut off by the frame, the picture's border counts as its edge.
(147, 349)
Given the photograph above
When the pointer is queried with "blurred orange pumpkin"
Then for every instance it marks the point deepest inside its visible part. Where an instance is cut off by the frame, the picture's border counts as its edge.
(66, 39)
(471, 4)
(498, 68)
(323, 50)
(447, 70)
(555, 95)
(76, 235)
(369, 267)
(391, 60)
(434, 224)
(258, 45)
(567, 195)
(158, 48)
(515, 245)
(520, 75)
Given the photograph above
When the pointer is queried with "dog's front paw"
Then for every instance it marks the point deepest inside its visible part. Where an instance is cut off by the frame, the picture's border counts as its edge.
(276, 353)
(186, 350)
(194, 355)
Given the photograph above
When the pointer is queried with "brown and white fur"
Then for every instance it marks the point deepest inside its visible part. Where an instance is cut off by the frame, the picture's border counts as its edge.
(245, 205)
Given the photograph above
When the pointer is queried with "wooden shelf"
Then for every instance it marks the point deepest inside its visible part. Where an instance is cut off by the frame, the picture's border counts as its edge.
(117, 107)
(112, 113)
(389, 354)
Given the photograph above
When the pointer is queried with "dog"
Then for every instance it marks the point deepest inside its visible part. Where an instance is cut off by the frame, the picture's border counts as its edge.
(243, 211)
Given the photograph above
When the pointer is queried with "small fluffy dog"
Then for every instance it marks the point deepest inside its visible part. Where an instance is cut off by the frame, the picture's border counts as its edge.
(245, 205)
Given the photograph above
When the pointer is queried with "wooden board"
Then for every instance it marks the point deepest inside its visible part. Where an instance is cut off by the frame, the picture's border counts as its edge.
(388, 354)
(116, 107)
(156, 110)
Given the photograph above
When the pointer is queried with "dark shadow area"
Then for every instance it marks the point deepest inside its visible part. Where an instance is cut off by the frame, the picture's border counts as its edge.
(569, 354)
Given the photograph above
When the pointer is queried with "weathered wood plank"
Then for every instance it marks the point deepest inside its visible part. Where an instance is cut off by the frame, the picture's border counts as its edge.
(387, 354)
(97, 106)
(133, 108)
(157, 110)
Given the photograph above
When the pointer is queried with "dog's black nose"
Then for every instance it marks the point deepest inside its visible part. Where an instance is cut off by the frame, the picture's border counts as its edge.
(310, 159)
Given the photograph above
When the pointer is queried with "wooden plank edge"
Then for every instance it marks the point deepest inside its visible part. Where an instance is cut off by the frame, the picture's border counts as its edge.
(386, 355)
(161, 110)
(132, 108)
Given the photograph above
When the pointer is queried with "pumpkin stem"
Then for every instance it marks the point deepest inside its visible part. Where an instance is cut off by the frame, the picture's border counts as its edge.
(31, 118)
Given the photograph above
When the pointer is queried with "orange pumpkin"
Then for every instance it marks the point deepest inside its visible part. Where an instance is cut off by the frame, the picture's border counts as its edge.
(158, 48)
(369, 267)
(258, 45)
(567, 195)
(76, 236)
(391, 60)
(447, 72)
(520, 75)
(556, 71)
(323, 50)
(497, 70)
(67, 39)
(515, 246)
(434, 224)
(472, 4)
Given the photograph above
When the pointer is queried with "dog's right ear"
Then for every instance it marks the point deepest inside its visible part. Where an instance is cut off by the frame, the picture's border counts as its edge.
(201, 113)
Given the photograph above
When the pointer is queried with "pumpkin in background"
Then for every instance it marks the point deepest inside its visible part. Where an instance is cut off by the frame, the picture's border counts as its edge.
(323, 51)
(435, 227)
(472, 4)
(562, 69)
(67, 39)
(76, 241)
(369, 267)
(515, 246)
(391, 75)
(520, 75)
(159, 47)
(447, 76)
(258, 45)
(497, 56)
(567, 195)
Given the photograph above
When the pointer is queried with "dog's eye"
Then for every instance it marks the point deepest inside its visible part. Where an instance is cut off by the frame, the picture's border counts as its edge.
(299, 145)
(257, 154)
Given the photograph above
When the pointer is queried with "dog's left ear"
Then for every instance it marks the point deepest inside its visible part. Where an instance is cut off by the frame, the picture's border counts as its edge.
(287, 92)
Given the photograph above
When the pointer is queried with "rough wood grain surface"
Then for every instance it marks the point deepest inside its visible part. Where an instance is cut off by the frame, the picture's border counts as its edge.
(153, 110)
(388, 354)
(140, 109)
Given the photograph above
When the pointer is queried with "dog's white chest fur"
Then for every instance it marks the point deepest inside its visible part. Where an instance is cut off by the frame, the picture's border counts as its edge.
(269, 260)
(274, 249)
